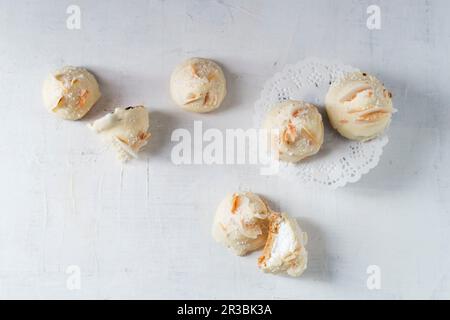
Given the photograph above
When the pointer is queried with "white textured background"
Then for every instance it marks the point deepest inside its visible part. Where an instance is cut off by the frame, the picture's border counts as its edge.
(143, 230)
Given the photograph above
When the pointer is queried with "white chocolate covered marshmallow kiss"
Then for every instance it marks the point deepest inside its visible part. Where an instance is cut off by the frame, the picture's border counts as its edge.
(125, 129)
(285, 250)
(241, 222)
(359, 106)
(70, 92)
(198, 85)
(296, 130)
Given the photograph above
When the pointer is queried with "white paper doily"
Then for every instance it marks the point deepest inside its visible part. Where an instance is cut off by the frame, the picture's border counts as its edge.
(339, 161)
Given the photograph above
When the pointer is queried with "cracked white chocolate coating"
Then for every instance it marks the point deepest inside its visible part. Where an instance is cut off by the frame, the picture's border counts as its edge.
(241, 223)
(198, 85)
(359, 107)
(125, 129)
(70, 92)
(285, 250)
(296, 130)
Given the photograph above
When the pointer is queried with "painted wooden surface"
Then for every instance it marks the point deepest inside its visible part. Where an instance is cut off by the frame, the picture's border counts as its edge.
(142, 230)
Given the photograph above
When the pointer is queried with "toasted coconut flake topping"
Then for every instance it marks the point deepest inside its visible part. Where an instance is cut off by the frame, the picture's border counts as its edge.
(60, 104)
(352, 95)
(305, 133)
(124, 140)
(296, 113)
(373, 116)
(206, 99)
(193, 70)
(290, 134)
(262, 260)
(235, 203)
(212, 75)
(143, 135)
(360, 109)
(82, 98)
(192, 97)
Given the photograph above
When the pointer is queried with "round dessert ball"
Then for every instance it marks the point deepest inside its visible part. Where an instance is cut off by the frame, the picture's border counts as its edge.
(198, 85)
(296, 130)
(359, 106)
(241, 222)
(70, 92)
